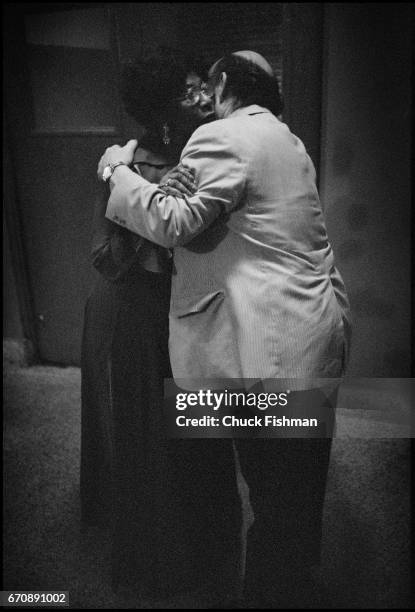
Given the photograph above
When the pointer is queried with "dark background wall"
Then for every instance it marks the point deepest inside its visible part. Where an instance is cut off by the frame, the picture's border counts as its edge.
(364, 166)
(365, 183)
(12, 325)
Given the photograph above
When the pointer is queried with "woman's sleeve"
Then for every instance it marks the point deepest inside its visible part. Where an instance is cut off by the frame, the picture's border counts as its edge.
(114, 249)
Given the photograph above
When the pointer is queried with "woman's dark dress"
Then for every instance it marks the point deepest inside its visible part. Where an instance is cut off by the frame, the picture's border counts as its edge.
(172, 505)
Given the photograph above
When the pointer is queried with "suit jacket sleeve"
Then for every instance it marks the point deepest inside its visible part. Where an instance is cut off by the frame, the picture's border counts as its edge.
(170, 221)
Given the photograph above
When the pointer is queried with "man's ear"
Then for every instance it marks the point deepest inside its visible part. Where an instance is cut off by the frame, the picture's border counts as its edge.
(222, 85)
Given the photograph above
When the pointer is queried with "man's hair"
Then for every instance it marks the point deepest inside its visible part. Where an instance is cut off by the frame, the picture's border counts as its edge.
(248, 83)
(149, 84)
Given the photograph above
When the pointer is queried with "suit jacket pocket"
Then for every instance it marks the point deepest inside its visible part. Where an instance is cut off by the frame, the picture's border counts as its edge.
(203, 341)
(189, 305)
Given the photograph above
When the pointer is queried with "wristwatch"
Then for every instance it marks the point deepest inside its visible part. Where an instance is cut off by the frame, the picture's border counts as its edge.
(109, 169)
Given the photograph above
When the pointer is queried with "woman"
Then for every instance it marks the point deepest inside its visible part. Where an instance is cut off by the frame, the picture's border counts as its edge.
(172, 505)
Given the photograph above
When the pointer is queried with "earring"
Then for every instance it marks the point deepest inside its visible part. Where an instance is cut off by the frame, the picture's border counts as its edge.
(166, 135)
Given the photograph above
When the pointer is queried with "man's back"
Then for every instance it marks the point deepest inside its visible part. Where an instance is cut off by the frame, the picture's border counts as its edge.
(252, 295)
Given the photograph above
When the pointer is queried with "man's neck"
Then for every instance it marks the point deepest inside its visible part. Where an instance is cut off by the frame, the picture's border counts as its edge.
(228, 107)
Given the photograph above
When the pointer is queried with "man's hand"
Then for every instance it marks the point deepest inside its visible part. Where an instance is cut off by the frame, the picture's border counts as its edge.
(179, 181)
(116, 154)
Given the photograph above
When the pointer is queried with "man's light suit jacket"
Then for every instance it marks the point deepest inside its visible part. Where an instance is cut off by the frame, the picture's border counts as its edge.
(255, 292)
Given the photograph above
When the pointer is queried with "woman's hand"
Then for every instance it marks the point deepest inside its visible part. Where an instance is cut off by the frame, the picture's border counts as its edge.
(178, 182)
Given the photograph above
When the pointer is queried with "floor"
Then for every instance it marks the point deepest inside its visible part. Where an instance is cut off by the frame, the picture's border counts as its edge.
(366, 528)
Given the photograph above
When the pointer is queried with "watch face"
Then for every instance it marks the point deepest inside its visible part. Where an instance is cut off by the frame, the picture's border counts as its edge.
(107, 173)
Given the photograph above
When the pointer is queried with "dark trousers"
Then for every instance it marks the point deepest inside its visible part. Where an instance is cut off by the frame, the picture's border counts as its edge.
(287, 480)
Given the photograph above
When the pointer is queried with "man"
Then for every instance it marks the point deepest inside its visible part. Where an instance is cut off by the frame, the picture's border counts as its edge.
(254, 294)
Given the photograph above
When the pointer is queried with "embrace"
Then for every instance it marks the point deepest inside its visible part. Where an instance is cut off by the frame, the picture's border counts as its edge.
(219, 267)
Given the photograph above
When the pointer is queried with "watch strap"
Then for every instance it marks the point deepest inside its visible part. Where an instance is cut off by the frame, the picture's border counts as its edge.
(115, 165)
(109, 169)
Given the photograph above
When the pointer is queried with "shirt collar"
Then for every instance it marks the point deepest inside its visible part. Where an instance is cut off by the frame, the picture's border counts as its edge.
(252, 109)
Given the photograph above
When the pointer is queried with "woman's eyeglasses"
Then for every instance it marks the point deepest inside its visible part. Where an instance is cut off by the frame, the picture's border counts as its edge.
(194, 93)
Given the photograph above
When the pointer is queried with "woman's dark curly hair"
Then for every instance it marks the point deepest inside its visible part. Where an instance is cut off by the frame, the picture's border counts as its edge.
(150, 84)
